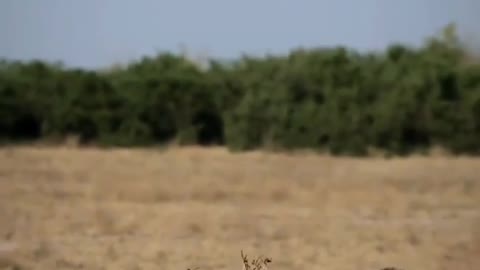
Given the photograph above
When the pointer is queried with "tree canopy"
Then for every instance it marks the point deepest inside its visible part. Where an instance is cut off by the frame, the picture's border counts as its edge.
(400, 100)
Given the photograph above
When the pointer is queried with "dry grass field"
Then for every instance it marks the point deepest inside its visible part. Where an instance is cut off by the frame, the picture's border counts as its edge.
(69, 208)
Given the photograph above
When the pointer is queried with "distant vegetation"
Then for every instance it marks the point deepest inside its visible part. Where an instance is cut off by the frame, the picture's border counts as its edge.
(400, 100)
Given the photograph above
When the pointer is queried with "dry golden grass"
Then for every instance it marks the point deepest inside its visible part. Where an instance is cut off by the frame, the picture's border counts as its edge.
(67, 208)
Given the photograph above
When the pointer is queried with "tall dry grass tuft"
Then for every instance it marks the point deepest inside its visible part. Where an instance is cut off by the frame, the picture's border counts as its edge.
(259, 263)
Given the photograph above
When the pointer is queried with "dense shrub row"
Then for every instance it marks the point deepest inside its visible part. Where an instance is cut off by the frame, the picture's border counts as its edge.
(399, 100)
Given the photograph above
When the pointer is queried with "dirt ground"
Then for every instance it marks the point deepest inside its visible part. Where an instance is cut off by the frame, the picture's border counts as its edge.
(68, 208)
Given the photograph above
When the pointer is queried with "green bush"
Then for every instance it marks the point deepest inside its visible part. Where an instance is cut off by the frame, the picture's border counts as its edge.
(400, 100)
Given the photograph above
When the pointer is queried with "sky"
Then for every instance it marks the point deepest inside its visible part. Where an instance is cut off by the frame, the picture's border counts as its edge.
(100, 33)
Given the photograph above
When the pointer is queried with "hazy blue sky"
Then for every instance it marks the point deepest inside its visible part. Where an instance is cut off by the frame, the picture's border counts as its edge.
(93, 33)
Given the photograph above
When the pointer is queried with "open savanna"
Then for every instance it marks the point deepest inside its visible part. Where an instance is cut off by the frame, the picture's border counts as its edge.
(179, 208)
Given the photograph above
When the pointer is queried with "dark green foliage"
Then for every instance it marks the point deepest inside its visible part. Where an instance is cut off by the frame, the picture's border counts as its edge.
(335, 99)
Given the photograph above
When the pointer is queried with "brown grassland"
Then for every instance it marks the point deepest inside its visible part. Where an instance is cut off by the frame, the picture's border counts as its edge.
(72, 208)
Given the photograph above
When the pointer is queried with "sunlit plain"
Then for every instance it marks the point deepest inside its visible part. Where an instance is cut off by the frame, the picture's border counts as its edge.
(69, 208)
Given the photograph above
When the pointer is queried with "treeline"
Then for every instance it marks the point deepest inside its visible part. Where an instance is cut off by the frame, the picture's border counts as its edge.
(400, 100)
